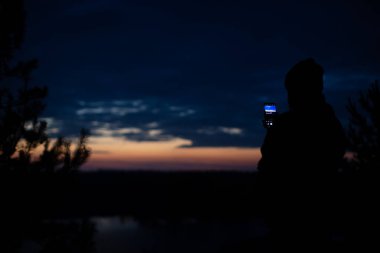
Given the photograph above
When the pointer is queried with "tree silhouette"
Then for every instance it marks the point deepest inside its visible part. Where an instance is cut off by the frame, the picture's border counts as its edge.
(26, 149)
(21, 130)
(364, 130)
(361, 188)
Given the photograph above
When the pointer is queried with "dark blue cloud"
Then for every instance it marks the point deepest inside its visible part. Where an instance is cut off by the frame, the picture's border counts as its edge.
(219, 59)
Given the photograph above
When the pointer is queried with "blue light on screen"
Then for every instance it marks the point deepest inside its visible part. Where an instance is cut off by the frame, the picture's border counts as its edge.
(270, 108)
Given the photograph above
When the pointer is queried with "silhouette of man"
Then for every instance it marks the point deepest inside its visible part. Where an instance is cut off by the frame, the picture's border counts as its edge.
(301, 154)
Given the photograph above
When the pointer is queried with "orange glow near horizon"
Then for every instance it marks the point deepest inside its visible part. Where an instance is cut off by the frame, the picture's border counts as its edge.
(118, 153)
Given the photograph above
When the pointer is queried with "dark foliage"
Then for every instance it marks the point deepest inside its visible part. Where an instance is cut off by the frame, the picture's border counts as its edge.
(362, 170)
(364, 131)
(35, 171)
(21, 130)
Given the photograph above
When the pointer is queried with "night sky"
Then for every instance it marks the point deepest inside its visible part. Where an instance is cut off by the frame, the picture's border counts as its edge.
(180, 84)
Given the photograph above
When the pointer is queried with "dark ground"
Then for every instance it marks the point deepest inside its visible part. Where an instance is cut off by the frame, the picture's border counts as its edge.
(175, 207)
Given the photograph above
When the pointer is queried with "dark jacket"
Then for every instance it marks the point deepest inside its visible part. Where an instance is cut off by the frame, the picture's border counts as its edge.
(300, 158)
(303, 144)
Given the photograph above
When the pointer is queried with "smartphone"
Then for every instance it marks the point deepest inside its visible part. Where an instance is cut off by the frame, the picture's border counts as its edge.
(270, 111)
